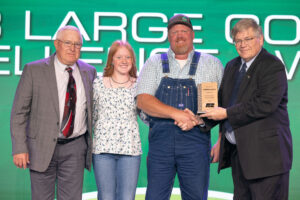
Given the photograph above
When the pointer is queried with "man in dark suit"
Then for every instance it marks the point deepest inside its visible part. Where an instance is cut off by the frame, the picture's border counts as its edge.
(256, 139)
(51, 125)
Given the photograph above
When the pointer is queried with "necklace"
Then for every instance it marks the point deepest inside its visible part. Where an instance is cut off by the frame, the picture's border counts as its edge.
(118, 83)
(121, 83)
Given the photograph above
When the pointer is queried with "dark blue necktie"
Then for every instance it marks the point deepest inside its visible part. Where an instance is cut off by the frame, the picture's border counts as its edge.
(235, 91)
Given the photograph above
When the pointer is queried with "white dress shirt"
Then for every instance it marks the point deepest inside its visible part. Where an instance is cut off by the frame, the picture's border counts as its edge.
(62, 78)
(230, 135)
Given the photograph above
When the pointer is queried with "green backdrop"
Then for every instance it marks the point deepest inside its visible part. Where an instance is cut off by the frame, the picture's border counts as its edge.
(27, 28)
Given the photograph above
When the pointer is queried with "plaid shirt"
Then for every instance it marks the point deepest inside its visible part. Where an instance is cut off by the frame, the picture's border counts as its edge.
(209, 69)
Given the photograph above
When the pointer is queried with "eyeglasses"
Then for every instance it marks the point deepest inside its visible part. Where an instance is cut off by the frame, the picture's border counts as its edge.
(246, 41)
(182, 32)
(69, 44)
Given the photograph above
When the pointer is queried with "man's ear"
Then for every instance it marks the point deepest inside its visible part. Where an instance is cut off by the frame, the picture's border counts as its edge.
(56, 44)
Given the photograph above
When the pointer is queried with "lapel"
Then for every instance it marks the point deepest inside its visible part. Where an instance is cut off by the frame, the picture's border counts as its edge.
(230, 80)
(249, 74)
(49, 72)
(85, 81)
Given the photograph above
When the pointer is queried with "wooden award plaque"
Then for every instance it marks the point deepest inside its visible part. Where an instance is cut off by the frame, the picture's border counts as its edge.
(207, 96)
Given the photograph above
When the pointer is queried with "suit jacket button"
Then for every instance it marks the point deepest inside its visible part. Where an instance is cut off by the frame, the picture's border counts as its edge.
(54, 140)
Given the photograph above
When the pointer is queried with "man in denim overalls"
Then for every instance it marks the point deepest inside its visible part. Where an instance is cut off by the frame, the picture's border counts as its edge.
(167, 92)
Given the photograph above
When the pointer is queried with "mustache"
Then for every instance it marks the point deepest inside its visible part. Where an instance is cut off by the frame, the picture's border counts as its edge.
(180, 39)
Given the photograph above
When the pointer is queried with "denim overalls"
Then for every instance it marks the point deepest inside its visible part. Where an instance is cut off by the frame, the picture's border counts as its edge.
(172, 150)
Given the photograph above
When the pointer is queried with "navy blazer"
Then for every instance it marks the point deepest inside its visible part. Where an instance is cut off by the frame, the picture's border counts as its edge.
(259, 117)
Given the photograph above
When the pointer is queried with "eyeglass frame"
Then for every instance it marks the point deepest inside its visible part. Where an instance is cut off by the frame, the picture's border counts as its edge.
(69, 44)
(246, 41)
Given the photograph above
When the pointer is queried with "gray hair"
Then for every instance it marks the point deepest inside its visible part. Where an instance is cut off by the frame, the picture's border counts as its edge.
(68, 27)
(244, 24)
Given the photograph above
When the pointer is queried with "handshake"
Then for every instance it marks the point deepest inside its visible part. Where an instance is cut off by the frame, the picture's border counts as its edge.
(186, 119)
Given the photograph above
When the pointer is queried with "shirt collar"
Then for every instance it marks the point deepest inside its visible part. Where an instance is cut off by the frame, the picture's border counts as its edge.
(62, 67)
(172, 54)
(250, 61)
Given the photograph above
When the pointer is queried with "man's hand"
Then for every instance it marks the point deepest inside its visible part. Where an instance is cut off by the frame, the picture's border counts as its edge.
(215, 151)
(21, 160)
(187, 120)
(216, 114)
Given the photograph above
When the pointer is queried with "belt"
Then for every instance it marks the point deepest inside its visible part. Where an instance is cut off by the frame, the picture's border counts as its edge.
(65, 141)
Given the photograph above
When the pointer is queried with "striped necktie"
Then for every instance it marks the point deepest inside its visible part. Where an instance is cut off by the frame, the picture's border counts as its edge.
(67, 125)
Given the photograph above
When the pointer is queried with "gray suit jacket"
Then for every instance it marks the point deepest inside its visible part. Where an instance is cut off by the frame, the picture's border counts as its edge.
(35, 112)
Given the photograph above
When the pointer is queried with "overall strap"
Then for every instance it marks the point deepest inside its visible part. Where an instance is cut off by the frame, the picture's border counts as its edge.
(165, 63)
(194, 64)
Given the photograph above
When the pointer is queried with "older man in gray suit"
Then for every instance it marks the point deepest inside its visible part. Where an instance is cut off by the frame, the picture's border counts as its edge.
(51, 126)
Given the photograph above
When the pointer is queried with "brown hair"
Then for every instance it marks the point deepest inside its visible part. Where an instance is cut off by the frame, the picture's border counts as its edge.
(109, 68)
(244, 24)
